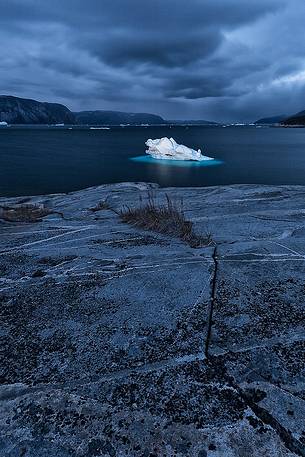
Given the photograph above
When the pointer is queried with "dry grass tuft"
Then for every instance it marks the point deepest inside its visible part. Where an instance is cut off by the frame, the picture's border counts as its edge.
(24, 213)
(167, 218)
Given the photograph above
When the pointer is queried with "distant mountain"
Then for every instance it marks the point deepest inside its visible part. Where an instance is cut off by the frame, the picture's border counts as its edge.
(271, 120)
(191, 122)
(15, 110)
(116, 118)
(296, 119)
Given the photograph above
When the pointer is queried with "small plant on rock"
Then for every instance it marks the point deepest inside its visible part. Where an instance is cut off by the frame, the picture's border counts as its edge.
(167, 218)
(24, 213)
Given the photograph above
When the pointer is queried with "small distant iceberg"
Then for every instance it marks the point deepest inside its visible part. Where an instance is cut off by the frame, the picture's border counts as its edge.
(99, 128)
(3, 124)
(168, 149)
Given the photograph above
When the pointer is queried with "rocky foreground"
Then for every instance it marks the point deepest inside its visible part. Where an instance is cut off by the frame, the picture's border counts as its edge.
(122, 342)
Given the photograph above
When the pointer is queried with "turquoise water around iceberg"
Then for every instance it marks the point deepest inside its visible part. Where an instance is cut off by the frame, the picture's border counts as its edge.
(177, 163)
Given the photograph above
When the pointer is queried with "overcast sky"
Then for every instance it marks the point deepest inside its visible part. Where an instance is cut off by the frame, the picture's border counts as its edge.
(229, 60)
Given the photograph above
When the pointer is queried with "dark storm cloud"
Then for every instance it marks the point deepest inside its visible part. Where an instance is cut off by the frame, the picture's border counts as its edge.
(195, 86)
(150, 48)
(227, 59)
(171, 33)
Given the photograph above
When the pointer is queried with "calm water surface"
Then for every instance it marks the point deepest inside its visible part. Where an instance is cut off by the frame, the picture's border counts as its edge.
(46, 160)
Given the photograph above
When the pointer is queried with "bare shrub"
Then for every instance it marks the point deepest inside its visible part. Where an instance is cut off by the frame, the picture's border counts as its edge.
(24, 213)
(167, 218)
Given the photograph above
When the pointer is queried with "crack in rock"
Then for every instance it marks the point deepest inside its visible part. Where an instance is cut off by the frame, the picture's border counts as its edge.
(211, 307)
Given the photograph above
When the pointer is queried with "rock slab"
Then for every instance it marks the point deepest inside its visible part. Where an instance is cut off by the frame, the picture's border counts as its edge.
(122, 342)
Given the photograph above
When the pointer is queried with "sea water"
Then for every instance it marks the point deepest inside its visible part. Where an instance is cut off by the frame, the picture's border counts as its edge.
(41, 160)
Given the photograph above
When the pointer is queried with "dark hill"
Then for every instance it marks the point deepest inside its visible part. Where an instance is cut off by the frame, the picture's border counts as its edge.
(116, 118)
(15, 110)
(271, 120)
(296, 119)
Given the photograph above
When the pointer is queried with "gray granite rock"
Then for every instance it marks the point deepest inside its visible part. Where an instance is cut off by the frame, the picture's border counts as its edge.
(122, 342)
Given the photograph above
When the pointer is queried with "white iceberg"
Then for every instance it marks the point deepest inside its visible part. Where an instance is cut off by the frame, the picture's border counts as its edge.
(4, 123)
(167, 148)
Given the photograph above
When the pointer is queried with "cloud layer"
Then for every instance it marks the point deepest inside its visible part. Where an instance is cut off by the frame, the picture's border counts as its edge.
(217, 59)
